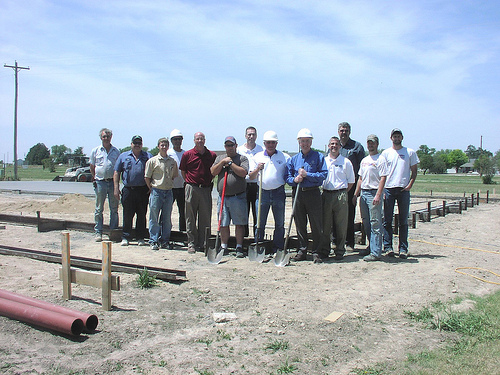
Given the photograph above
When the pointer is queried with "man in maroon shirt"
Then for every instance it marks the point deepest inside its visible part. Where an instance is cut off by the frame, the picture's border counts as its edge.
(195, 168)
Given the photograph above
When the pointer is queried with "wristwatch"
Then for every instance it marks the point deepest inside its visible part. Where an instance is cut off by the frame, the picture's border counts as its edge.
(229, 164)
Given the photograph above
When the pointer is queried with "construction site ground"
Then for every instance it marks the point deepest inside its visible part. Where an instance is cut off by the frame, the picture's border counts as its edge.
(279, 312)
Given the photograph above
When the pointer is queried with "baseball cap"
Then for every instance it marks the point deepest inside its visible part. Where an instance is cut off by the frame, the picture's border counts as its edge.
(136, 138)
(396, 130)
(230, 138)
(372, 137)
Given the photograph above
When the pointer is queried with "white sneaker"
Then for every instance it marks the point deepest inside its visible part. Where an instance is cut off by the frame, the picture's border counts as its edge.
(124, 242)
(141, 243)
(98, 237)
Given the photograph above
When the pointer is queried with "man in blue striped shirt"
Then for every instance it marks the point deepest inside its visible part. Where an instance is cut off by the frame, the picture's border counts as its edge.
(306, 171)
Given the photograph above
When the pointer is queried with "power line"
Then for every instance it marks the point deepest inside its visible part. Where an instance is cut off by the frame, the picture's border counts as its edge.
(16, 68)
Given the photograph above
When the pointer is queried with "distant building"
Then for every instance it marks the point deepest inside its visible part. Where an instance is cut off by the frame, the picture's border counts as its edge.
(467, 167)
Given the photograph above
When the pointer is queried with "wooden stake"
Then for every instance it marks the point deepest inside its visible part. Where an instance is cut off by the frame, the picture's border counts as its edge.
(66, 266)
(106, 275)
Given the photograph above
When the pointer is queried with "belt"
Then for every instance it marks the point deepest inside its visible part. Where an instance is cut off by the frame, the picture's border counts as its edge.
(199, 185)
(309, 188)
(233, 195)
(136, 187)
(333, 191)
(369, 189)
(106, 179)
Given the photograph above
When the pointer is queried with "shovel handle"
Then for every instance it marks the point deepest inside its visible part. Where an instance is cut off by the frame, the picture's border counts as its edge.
(291, 217)
(222, 200)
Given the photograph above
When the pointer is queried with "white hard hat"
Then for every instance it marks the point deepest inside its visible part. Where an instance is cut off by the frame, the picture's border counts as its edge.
(270, 135)
(304, 133)
(175, 133)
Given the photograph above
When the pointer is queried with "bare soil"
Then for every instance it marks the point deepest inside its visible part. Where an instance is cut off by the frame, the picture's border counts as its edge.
(170, 329)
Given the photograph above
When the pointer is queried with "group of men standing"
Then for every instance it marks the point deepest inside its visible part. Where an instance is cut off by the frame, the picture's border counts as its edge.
(343, 175)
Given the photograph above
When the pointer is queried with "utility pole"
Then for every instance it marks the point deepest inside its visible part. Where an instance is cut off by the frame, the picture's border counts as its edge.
(16, 68)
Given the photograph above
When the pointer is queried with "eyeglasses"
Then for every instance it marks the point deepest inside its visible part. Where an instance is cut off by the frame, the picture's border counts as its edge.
(176, 139)
(231, 145)
(137, 143)
(105, 136)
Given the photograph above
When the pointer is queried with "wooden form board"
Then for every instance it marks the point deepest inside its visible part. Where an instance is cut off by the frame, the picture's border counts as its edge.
(90, 278)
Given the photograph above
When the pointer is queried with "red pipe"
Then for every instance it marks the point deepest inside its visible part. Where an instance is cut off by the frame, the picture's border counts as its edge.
(90, 321)
(41, 317)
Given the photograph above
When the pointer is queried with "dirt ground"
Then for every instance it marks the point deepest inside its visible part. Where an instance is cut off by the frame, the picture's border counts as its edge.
(170, 329)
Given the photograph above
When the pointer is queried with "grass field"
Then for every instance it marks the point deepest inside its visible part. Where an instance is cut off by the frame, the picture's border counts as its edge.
(426, 184)
(453, 183)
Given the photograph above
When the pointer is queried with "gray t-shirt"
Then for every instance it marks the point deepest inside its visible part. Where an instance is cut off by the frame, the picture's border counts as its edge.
(235, 184)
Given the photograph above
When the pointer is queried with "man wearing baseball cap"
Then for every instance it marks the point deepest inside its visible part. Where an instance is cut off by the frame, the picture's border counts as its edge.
(402, 163)
(130, 167)
(235, 198)
(370, 186)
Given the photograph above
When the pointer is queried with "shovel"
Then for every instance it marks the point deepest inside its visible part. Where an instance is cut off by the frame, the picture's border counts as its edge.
(257, 253)
(282, 257)
(214, 255)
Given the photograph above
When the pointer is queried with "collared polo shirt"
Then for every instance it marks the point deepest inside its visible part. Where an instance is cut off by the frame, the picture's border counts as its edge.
(274, 172)
(132, 169)
(340, 173)
(250, 154)
(314, 165)
(161, 171)
(197, 166)
(104, 162)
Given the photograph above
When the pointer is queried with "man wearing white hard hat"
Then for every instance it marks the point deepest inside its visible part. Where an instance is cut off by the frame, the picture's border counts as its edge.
(307, 171)
(178, 190)
(272, 164)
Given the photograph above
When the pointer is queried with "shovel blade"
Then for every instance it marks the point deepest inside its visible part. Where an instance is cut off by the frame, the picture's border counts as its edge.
(214, 256)
(256, 253)
(282, 258)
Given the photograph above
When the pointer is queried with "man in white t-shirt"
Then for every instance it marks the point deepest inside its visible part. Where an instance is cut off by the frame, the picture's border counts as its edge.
(250, 149)
(272, 164)
(178, 190)
(402, 163)
(339, 181)
(370, 186)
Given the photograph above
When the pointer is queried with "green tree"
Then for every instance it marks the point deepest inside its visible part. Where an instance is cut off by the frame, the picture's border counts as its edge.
(78, 151)
(472, 152)
(485, 165)
(60, 153)
(442, 155)
(438, 163)
(497, 160)
(456, 158)
(154, 151)
(425, 156)
(128, 148)
(37, 153)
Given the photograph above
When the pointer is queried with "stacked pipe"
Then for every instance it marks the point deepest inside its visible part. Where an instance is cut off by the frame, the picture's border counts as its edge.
(45, 314)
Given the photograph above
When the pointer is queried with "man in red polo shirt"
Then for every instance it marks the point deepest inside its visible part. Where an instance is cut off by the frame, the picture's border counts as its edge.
(195, 168)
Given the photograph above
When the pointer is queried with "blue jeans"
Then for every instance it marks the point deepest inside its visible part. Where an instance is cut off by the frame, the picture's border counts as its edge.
(102, 190)
(275, 200)
(372, 220)
(401, 196)
(160, 212)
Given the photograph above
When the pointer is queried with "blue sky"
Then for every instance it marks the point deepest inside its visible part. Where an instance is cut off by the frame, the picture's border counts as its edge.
(430, 68)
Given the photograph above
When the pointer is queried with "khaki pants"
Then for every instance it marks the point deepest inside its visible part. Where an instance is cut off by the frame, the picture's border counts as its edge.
(335, 210)
(198, 206)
